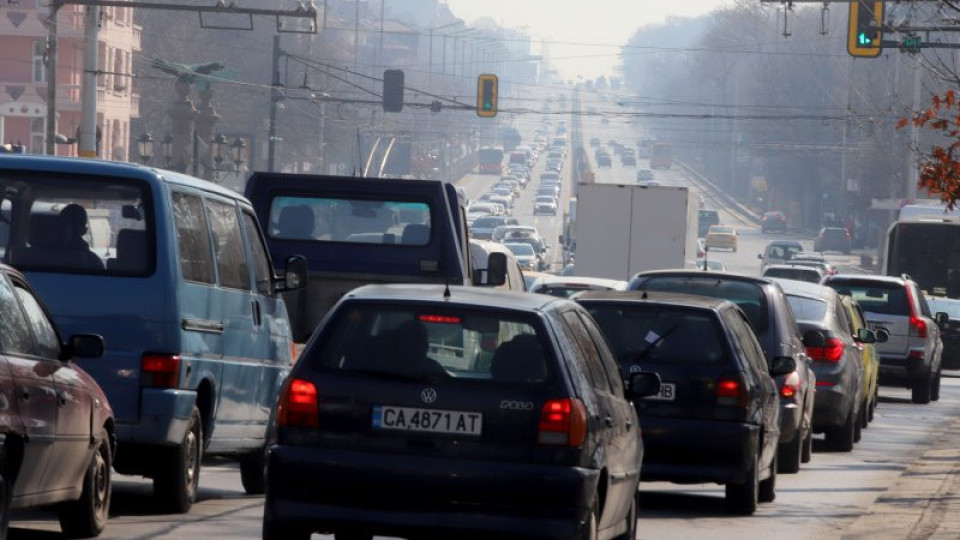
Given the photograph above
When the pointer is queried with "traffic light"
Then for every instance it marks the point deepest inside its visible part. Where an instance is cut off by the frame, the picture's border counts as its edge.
(865, 34)
(393, 90)
(487, 95)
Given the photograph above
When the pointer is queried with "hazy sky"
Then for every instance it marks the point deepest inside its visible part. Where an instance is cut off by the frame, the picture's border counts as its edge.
(576, 29)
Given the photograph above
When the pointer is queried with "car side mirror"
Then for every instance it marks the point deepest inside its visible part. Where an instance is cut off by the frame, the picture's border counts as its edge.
(643, 384)
(882, 335)
(866, 335)
(294, 273)
(84, 346)
(942, 318)
(782, 365)
(814, 338)
(496, 269)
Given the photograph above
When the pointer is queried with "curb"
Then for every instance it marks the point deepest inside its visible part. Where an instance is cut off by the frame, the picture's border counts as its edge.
(924, 501)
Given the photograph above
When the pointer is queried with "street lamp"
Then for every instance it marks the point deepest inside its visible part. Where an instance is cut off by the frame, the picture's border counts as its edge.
(238, 151)
(166, 146)
(145, 148)
(217, 146)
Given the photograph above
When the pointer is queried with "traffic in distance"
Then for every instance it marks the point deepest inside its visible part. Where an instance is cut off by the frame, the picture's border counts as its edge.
(548, 347)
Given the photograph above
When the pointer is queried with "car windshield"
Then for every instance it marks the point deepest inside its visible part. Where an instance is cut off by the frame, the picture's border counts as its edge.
(523, 250)
(875, 297)
(431, 342)
(807, 309)
(749, 296)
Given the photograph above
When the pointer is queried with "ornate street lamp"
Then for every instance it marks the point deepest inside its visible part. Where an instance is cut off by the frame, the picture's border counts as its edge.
(145, 148)
(238, 152)
(217, 147)
(166, 146)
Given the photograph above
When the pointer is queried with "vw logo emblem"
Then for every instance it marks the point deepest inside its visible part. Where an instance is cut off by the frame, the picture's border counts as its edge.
(428, 395)
(635, 368)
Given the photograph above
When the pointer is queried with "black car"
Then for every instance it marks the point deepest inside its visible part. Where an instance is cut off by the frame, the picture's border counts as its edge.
(717, 416)
(833, 239)
(773, 222)
(768, 311)
(460, 412)
(950, 335)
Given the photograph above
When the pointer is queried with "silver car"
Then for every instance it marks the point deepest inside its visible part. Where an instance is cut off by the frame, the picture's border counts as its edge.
(911, 355)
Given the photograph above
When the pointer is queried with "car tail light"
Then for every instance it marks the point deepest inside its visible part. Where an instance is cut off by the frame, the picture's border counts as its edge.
(791, 385)
(731, 391)
(826, 383)
(915, 354)
(832, 351)
(160, 370)
(299, 406)
(918, 327)
(563, 422)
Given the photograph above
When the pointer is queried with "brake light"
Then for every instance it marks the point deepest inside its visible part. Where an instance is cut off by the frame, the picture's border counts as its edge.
(918, 326)
(562, 422)
(916, 354)
(160, 370)
(826, 383)
(442, 319)
(832, 351)
(730, 391)
(791, 386)
(299, 406)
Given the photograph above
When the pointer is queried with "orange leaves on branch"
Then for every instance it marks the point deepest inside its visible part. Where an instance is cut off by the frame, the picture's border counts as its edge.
(940, 170)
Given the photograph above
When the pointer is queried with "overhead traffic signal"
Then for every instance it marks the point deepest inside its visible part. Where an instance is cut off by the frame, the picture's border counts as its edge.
(865, 32)
(393, 90)
(487, 95)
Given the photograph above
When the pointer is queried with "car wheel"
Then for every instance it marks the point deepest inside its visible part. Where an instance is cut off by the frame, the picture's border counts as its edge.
(176, 483)
(253, 472)
(920, 393)
(589, 531)
(840, 438)
(873, 404)
(935, 390)
(742, 498)
(858, 427)
(864, 415)
(6, 491)
(282, 531)
(807, 454)
(631, 533)
(790, 454)
(87, 516)
(767, 489)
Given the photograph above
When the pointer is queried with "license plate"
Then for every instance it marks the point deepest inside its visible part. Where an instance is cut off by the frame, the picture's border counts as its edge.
(668, 392)
(427, 420)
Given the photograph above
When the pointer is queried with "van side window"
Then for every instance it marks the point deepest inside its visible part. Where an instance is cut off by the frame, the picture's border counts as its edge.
(228, 241)
(48, 344)
(258, 254)
(193, 239)
(15, 335)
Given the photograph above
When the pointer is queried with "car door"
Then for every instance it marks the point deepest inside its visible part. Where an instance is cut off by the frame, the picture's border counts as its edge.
(72, 451)
(35, 392)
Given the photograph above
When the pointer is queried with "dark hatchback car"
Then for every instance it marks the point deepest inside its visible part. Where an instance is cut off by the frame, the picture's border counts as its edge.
(838, 409)
(773, 222)
(766, 307)
(950, 334)
(419, 412)
(833, 239)
(58, 440)
(717, 416)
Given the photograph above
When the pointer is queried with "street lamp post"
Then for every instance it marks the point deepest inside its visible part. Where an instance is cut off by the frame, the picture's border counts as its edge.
(166, 146)
(238, 152)
(217, 146)
(145, 148)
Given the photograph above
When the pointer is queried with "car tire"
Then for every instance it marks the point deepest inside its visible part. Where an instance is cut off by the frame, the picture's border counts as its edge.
(742, 498)
(840, 438)
(935, 389)
(282, 531)
(789, 455)
(253, 472)
(920, 392)
(87, 516)
(767, 489)
(590, 528)
(865, 414)
(858, 427)
(6, 492)
(807, 454)
(631, 518)
(873, 404)
(175, 485)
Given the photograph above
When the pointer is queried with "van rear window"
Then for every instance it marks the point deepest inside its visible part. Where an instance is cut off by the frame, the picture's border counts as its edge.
(76, 224)
(884, 298)
(411, 342)
(351, 221)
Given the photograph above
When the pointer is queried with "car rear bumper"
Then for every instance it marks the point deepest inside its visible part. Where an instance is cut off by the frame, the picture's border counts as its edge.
(791, 416)
(900, 369)
(333, 490)
(694, 451)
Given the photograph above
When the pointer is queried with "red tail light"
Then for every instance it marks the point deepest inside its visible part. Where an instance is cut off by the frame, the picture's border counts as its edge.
(916, 354)
(791, 386)
(299, 406)
(918, 327)
(832, 351)
(160, 370)
(563, 422)
(730, 391)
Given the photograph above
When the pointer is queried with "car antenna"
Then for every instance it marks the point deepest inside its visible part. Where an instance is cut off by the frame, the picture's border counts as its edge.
(446, 289)
(644, 295)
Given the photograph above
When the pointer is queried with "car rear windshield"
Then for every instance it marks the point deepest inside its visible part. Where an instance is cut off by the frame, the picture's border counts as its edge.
(352, 220)
(884, 298)
(410, 342)
(807, 309)
(799, 274)
(783, 252)
(490, 222)
(640, 333)
(749, 296)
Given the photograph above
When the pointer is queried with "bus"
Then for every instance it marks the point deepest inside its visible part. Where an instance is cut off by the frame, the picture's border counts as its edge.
(928, 250)
(491, 160)
(661, 156)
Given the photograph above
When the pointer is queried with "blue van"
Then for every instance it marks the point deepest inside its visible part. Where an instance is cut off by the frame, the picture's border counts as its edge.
(174, 273)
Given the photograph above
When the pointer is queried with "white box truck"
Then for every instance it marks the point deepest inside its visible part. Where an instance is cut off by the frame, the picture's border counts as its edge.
(622, 229)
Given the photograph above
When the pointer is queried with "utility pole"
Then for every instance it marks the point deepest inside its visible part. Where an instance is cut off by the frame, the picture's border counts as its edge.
(87, 146)
(275, 97)
(51, 65)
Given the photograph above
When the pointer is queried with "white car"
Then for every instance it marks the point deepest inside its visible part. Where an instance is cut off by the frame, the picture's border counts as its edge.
(545, 204)
(567, 286)
(478, 210)
(526, 256)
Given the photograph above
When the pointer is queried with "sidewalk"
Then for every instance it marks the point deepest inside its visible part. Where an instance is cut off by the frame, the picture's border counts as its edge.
(923, 503)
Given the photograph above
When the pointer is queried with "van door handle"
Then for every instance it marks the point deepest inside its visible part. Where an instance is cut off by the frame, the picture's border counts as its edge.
(256, 312)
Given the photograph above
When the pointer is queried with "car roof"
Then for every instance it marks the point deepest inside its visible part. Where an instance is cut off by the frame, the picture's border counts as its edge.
(657, 298)
(785, 243)
(866, 277)
(581, 280)
(485, 297)
(802, 288)
(728, 276)
(789, 266)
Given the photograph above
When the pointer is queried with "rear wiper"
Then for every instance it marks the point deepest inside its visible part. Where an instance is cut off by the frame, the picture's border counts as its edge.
(658, 341)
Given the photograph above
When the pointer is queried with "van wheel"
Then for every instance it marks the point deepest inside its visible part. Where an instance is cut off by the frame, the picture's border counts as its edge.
(840, 439)
(742, 498)
(6, 492)
(921, 389)
(87, 516)
(631, 533)
(178, 478)
(253, 472)
(768, 488)
(589, 531)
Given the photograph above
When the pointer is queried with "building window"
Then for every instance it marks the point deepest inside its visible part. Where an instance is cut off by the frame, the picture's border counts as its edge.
(119, 68)
(39, 53)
